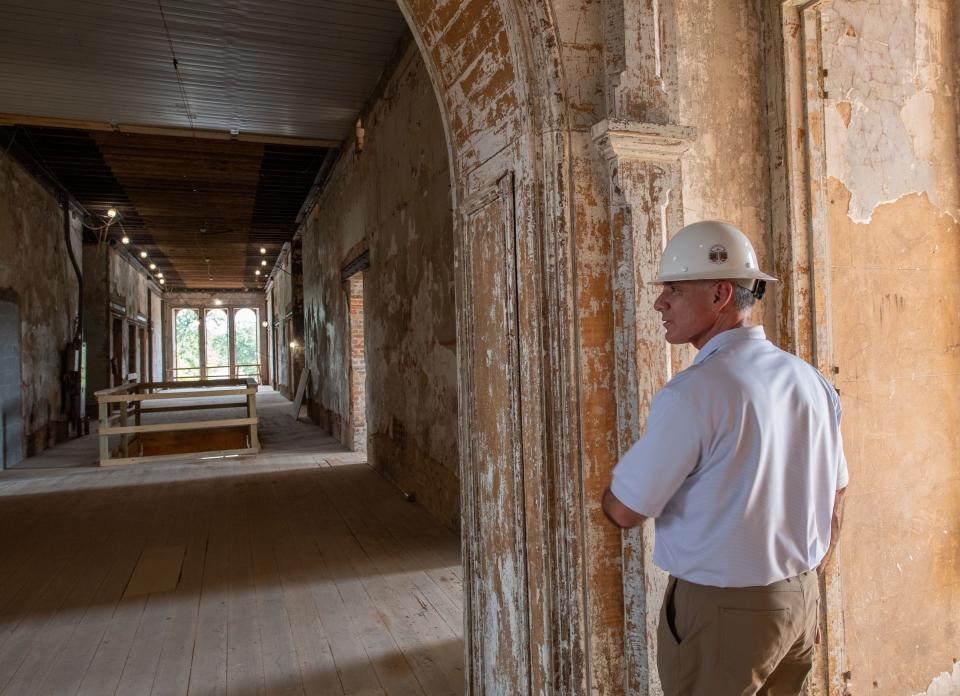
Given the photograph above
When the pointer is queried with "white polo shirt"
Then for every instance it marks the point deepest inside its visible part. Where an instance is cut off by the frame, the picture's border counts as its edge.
(739, 464)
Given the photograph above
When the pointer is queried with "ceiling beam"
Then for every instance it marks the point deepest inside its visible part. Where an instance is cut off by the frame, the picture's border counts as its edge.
(172, 131)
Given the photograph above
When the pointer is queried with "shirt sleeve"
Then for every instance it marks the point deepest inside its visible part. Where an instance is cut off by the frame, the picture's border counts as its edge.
(656, 466)
(843, 475)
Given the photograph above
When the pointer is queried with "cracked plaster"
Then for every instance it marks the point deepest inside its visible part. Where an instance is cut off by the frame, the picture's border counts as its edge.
(888, 93)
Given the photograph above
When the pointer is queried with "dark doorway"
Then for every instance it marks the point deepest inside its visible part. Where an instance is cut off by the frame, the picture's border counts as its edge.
(11, 414)
(117, 357)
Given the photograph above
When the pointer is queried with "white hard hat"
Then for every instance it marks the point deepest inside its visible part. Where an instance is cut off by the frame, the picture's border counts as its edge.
(712, 250)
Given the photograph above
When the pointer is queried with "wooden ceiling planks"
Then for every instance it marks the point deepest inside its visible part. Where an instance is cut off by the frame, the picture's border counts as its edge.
(185, 188)
(201, 209)
(208, 206)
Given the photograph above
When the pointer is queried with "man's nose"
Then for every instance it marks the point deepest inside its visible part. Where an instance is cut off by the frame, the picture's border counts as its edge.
(659, 304)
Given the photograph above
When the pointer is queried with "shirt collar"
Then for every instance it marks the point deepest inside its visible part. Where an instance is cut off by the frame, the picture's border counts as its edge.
(725, 338)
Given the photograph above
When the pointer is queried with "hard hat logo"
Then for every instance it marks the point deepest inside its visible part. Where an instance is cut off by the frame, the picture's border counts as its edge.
(718, 253)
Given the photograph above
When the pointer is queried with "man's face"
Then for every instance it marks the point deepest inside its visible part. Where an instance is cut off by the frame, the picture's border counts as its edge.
(688, 310)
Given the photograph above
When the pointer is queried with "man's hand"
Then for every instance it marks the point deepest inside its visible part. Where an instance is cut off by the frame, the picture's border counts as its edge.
(836, 522)
(618, 513)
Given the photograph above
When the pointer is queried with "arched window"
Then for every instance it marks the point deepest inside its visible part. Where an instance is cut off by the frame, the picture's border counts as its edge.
(246, 332)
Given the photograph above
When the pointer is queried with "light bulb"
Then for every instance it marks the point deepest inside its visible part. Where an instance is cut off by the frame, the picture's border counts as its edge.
(263, 263)
(263, 250)
(112, 213)
(143, 254)
(159, 275)
(163, 282)
(256, 272)
(293, 344)
(264, 324)
(218, 302)
(153, 266)
(125, 239)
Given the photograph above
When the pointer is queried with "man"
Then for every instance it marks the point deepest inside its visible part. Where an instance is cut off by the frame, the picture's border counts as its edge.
(742, 467)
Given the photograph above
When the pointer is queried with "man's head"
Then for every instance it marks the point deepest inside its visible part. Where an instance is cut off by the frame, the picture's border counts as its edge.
(711, 281)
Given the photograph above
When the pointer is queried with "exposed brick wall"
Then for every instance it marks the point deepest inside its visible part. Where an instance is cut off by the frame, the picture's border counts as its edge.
(358, 366)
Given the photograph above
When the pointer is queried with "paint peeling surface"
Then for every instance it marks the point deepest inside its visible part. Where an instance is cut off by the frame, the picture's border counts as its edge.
(392, 200)
(116, 289)
(129, 284)
(947, 684)
(891, 102)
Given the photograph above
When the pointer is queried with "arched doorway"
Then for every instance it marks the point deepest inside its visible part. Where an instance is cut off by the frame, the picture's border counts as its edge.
(522, 616)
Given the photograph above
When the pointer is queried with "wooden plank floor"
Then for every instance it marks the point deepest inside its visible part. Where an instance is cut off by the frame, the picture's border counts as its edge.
(298, 571)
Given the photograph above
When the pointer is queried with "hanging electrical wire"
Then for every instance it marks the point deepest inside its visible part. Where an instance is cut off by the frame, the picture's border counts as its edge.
(188, 110)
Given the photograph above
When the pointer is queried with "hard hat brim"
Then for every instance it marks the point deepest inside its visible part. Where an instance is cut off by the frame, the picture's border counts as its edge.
(715, 275)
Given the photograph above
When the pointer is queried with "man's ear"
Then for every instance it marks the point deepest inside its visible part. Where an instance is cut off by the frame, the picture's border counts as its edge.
(722, 294)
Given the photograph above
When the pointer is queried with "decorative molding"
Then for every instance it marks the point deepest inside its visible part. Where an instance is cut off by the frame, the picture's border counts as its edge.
(622, 139)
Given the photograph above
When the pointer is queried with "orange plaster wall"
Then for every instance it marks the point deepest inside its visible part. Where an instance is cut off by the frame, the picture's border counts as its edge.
(897, 346)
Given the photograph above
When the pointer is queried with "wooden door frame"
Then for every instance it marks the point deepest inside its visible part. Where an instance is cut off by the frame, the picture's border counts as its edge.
(801, 248)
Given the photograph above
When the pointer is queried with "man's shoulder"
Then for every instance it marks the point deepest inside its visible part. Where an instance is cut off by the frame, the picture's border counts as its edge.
(746, 361)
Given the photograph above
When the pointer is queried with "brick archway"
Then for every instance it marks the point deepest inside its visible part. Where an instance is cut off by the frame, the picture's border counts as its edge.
(522, 625)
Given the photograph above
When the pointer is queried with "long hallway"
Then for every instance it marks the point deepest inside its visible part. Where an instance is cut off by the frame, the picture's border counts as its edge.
(300, 570)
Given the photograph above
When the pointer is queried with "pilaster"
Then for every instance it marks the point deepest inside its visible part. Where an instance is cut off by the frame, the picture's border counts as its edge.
(645, 207)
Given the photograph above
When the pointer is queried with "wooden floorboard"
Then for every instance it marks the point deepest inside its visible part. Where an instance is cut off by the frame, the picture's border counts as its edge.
(296, 571)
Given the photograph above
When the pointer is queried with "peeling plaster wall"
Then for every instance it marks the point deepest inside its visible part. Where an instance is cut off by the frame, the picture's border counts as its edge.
(35, 268)
(112, 276)
(891, 118)
(894, 245)
(128, 281)
(393, 199)
(947, 684)
(721, 84)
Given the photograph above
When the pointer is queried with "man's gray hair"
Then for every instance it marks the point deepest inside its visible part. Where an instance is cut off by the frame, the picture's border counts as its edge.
(743, 298)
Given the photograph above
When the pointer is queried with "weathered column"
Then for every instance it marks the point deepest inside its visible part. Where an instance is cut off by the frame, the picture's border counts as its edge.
(641, 143)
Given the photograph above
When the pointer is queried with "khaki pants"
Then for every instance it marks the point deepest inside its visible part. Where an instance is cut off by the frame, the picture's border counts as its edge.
(715, 641)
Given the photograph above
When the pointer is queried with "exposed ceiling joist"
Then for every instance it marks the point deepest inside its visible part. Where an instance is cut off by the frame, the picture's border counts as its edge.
(172, 131)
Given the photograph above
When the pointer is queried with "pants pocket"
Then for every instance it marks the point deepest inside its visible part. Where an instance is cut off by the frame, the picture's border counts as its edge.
(751, 644)
(668, 646)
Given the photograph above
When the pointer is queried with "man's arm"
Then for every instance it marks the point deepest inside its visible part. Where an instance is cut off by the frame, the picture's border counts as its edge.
(618, 513)
(835, 523)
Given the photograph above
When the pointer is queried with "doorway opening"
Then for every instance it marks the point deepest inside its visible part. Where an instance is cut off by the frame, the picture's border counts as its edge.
(144, 349)
(117, 357)
(133, 351)
(357, 362)
(11, 413)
